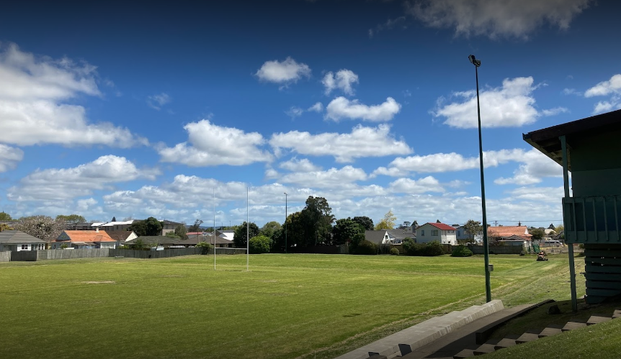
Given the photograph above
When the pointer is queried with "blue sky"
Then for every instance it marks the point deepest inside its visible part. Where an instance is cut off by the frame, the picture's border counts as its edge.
(153, 110)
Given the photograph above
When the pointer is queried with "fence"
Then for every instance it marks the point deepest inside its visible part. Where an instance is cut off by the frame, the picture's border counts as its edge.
(167, 253)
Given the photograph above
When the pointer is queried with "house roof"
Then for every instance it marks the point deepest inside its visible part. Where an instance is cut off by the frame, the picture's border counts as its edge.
(513, 238)
(120, 236)
(401, 233)
(548, 142)
(86, 236)
(375, 236)
(161, 240)
(441, 226)
(508, 231)
(18, 237)
(120, 223)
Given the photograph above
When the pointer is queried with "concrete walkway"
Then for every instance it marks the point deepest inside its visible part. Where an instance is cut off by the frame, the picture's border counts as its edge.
(425, 333)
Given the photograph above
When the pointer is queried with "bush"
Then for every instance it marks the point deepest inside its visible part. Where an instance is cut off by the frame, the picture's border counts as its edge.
(384, 248)
(364, 247)
(205, 246)
(394, 251)
(430, 249)
(461, 251)
(260, 244)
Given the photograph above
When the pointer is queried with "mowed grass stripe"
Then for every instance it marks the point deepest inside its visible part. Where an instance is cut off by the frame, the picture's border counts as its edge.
(285, 306)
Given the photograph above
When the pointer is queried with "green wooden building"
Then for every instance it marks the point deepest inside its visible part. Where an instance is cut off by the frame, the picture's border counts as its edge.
(590, 149)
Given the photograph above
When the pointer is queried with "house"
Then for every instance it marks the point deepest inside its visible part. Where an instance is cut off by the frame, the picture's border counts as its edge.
(122, 236)
(12, 240)
(227, 234)
(84, 240)
(439, 232)
(169, 226)
(378, 237)
(462, 235)
(397, 236)
(504, 232)
(590, 149)
(116, 226)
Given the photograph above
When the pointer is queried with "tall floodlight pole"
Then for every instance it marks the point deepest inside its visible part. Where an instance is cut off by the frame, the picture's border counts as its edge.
(286, 205)
(488, 287)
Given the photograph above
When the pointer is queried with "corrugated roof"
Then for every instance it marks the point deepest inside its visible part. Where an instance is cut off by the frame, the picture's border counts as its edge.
(18, 237)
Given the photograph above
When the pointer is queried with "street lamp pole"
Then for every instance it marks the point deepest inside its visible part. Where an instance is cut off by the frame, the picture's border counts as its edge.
(488, 288)
(286, 215)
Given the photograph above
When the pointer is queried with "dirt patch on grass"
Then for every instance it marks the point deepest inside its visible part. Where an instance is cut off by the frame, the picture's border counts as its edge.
(100, 282)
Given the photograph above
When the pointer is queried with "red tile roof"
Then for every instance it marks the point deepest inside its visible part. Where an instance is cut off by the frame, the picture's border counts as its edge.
(88, 236)
(508, 231)
(442, 226)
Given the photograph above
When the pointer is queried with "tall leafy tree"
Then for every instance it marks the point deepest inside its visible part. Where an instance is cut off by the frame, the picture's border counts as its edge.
(317, 221)
(239, 237)
(196, 227)
(5, 216)
(344, 230)
(149, 227)
(388, 222)
(181, 231)
(365, 222)
(473, 228)
(270, 228)
(43, 227)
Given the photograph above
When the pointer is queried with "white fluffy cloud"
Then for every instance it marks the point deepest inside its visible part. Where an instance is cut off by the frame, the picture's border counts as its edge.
(533, 165)
(332, 178)
(423, 185)
(610, 88)
(343, 80)
(33, 108)
(512, 105)
(509, 18)
(361, 142)
(283, 72)
(9, 157)
(296, 165)
(341, 108)
(68, 183)
(212, 145)
(317, 107)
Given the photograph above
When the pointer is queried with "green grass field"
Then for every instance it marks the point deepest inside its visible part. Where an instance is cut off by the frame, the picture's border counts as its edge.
(286, 306)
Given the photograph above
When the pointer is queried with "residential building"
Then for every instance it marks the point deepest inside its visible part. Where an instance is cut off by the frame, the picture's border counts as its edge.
(590, 149)
(122, 236)
(504, 232)
(12, 240)
(84, 240)
(378, 237)
(439, 232)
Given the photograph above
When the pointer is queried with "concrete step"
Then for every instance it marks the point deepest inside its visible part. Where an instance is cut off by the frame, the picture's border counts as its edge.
(505, 343)
(466, 353)
(526, 337)
(484, 349)
(573, 325)
(596, 319)
(548, 332)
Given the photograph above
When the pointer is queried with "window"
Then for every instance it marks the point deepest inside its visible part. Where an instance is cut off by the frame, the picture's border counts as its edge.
(24, 246)
(434, 232)
(422, 232)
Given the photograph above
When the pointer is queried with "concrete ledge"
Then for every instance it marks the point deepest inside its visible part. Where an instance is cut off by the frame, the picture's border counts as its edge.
(425, 332)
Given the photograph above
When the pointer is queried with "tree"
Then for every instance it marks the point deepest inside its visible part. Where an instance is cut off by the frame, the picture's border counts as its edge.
(405, 224)
(72, 218)
(149, 227)
(239, 238)
(113, 219)
(5, 216)
(365, 222)
(473, 228)
(196, 227)
(181, 231)
(388, 222)
(317, 221)
(560, 230)
(43, 227)
(5, 227)
(260, 244)
(270, 228)
(537, 233)
(345, 230)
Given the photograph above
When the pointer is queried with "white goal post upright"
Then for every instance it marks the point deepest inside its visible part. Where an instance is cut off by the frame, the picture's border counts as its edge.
(247, 229)
(213, 233)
